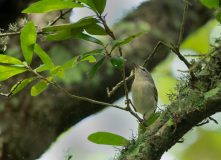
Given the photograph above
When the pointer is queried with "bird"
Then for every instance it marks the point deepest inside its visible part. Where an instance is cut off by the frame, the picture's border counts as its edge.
(144, 92)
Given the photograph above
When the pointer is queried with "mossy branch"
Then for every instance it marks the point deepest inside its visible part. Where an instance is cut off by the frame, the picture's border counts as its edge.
(187, 110)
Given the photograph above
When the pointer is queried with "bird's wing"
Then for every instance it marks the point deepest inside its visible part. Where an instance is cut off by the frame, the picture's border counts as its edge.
(155, 93)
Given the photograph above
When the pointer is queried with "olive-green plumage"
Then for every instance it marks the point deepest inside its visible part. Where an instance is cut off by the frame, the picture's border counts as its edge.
(144, 92)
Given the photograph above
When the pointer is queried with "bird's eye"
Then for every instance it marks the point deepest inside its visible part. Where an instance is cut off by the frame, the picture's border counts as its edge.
(143, 69)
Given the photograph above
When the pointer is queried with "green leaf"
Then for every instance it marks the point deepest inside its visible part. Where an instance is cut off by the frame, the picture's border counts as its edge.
(10, 60)
(76, 31)
(94, 69)
(170, 123)
(116, 41)
(107, 138)
(141, 129)
(211, 3)
(41, 68)
(46, 6)
(127, 40)
(89, 3)
(95, 29)
(70, 25)
(61, 73)
(88, 17)
(94, 52)
(91, 59)
(89, 38)
(117, 61)
(44, 56)
(9, 71)
(61, 35)
(28, 39)
(152, 118)
(38, 88)
(69, 64)
(22, 85)
(54, 71)
(217, 14)
(100, 5)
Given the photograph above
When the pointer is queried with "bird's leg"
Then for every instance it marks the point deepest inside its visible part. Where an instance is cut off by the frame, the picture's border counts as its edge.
(131, 104)
(144, 120)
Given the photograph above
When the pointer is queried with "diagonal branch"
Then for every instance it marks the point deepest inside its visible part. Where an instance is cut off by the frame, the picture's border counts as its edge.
(109, 93)
(183, 24)
(109, 31)
(10, 93)
(206, 55)
(83, 98)
(39, 32)
(185, 114)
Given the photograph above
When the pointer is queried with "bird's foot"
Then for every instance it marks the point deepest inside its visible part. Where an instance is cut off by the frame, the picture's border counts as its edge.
(129, 101)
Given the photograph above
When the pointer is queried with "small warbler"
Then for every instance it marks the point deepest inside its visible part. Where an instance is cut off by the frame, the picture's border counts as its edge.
(144, 92)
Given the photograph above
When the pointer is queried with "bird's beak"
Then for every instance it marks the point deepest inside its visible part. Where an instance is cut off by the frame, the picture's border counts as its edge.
(135, 65)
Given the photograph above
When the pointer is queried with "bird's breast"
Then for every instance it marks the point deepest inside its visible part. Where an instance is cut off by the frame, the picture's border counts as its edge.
(143, 97)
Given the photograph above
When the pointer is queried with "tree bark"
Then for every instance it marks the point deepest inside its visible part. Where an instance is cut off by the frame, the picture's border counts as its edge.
(30, 124)
(191, 106)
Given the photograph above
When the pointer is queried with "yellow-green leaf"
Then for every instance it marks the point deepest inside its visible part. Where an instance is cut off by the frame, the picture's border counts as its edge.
(54, 71)
(10, 60)
(211, 3)
(9, 71)
(61, 73)
(94, 52)
(46, 6)
(107, 138)
(44, 57)
(127, 40)
(22, 85)
(38, 88)
(28, 39)
(61, 35)
(91, 59)
(70, 25)
(41, 68)
(69, 64)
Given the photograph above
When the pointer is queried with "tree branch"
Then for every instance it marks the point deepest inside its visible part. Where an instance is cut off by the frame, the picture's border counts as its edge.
(109, 93)
(39, 32)
(10, 93)
(185, 112)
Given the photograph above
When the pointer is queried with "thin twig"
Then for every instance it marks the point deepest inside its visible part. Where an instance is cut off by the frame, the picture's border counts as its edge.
(192, 68)
(109, 93)
(182, 58)
(201, 124)
(197, 55)
(10, 93)
(212, 119)
(73, 96)
(125, 88)
(182, 25)
(39, 32)
(128, 101)
(186, 1)
(61, 16)
(84, 98)
(154, 51)
(109, 31)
